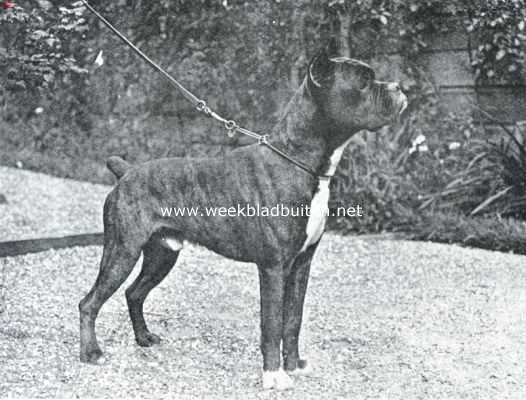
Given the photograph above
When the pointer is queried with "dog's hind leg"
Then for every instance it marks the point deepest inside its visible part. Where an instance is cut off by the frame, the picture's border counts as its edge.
(157, 263)
(294, 297)
(116, 264)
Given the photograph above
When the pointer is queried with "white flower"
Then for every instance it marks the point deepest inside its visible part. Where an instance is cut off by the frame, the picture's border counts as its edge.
(419, 139)
(454, 145)
(417, 143)
(39, 110)
(99, 61)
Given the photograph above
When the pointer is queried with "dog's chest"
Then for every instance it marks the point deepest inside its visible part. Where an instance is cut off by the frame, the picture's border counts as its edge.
(318, 214)
(319, 206)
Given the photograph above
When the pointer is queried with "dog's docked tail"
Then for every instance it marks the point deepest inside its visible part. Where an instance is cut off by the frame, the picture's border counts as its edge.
(118, 166)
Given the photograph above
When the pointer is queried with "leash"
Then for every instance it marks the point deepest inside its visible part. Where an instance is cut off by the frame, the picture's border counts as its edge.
(231, 126)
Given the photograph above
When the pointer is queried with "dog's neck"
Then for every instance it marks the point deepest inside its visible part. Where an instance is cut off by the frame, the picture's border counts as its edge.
(305, 134)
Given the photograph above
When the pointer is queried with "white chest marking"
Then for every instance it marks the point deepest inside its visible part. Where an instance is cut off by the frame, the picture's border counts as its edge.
(320, 202)
(318, 214)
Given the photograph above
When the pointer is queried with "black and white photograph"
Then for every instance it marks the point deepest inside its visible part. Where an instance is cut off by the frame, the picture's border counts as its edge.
(266, 199)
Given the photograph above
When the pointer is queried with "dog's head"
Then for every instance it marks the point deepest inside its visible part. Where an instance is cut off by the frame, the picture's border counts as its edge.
(349, 94)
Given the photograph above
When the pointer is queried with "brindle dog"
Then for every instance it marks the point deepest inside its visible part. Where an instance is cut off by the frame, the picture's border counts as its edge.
(338, 98)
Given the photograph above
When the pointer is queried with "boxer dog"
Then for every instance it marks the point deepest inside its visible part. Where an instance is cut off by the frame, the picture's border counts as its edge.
(338, 97)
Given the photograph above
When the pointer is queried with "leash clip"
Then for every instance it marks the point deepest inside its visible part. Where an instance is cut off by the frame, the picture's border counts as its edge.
(263, 139)
(231, 128)
(202, 107)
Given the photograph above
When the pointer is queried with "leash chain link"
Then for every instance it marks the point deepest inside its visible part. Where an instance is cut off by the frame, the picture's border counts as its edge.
(232, 127)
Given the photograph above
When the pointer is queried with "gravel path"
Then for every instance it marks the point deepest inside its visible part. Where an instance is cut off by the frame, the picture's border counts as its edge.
(384, 320)
(40, 205)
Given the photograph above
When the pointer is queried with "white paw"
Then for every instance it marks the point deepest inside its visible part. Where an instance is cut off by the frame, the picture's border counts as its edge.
(103, 360)
(307, 370)
(278, 380)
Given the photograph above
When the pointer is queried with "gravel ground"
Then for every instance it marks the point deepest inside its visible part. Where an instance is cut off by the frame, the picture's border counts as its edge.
(39, 205)
(384, 320)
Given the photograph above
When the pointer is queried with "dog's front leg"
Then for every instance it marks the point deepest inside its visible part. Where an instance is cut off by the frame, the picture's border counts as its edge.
(294, 297)
(271, 285)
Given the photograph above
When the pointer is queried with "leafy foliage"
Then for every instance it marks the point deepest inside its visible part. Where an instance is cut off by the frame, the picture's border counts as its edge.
(501, 30)
(399, 177)
(405, 179)
(498, 29)
(487, 232)
(34, 49)
(246, 58)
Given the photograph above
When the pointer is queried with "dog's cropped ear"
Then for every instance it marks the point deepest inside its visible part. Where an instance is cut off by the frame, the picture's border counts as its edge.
(321, 68)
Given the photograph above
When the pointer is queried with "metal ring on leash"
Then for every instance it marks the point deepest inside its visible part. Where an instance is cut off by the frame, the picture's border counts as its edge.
(202, 107)
(230, 125)
(231, 128)
(263, 139)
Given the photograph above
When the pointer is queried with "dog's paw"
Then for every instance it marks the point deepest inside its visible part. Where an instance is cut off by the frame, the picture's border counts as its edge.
(147, 339)
(278, 380)
(303, 369)
(94, 357)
